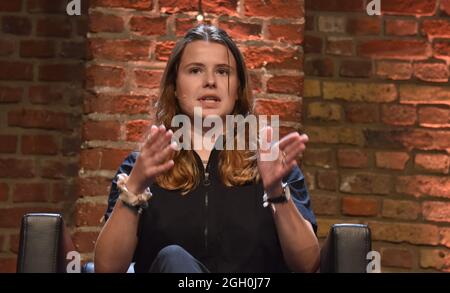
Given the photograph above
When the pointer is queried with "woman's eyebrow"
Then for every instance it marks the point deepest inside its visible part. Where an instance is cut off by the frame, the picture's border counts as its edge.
(203, 65)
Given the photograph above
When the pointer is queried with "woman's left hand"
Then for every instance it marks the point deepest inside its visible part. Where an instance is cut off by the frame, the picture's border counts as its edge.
(276, 160)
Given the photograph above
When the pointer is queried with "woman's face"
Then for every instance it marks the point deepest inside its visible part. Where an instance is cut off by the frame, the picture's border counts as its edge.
(207, 78)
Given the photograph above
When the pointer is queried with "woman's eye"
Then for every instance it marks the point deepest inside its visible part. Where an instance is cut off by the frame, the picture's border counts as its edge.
(195, 70)
(223, 71)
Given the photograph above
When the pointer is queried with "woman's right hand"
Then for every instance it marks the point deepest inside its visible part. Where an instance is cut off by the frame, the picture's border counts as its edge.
(154, 159)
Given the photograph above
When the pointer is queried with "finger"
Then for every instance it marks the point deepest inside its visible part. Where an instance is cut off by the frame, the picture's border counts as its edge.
(293, 150)
(164, 140)
(154, 131)
(265, 139)
(291, 137)
(156, 139)
(166, 153)
(164, 167)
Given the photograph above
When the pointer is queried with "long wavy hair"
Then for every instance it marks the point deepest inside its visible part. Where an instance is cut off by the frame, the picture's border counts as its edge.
(236, 167)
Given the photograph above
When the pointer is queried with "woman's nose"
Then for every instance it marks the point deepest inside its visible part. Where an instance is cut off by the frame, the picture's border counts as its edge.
(210, 80)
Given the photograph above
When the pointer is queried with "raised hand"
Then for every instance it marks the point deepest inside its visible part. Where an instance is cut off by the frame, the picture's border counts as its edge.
(154, 159)
(288, 149)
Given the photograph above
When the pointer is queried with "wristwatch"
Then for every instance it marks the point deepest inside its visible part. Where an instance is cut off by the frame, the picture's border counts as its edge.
(284, 197)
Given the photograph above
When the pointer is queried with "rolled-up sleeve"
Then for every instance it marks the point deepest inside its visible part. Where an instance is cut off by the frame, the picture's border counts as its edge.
(300, 195)
(126, 168)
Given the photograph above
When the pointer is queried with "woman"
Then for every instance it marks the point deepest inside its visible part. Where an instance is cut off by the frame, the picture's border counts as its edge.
(206, 211)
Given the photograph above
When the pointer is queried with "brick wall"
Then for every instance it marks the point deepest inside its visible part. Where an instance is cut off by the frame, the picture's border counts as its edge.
(376, 107)
(129, 43)
(41, 90)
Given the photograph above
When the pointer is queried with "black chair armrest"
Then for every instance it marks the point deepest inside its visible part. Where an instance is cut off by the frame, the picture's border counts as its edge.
(43, 244)
(345, 249)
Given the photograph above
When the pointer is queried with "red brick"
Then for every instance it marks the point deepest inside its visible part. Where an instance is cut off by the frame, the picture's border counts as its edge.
(163, 50)
(11, 5)
(365, 183)
(93, 186)
(445, 6)
(54, 27)
(16, 25)
(352, 158)
(37, 49)
(319, 157)
(99, 22)
(44, 94)
(401, 209)
(30, 192)
(433, 72)
(135, 129)
(85, 241)
(288, 110)
(341, 46)
(10, 94)
(44, 119)
(327, 180)
(57, 169)
(409, 7)
(324, 203)
(401, 27)
(148, 25)
(309, 22)
(436, 163)
(418, 94)
(398, 115)
(331, 24)
(273, 58)
(358, 206)
(7, 47)
(320, 111)
(110, 76)
(323, 67)
(14, 168)
(436, 28)
(434, 117)
(119, 50)
(438, 259)
(8, 264)
(286, 33)
(89, 214)
(244, 31)
(333, 135)
(442, 50)
(368, 92)
(285, 9)
(355, 68)
(313, 44)
(362, 113)
(364, 26)
(147, 78)
(397, 257)
(90, 159)
(335, 5)
(14, 70)
(71, 145)
(39, 145)
(284, 84)
(394, 70)
(129, 104)
(408, 138)
(255, 82)
(4, 192)
(103, 159)
(398, 49)
(61, 72)
(182, 25)
(445, 237)
(436, 211)
(227, 7)
(135, 4)
(11, 217)
(402, 232)
(73, 50)
(82, 27)
(101, 130)
(391, 160)
(9, 143)
(421, 185)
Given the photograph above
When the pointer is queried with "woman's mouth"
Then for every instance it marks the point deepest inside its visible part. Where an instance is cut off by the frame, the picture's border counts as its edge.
(209, 101)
